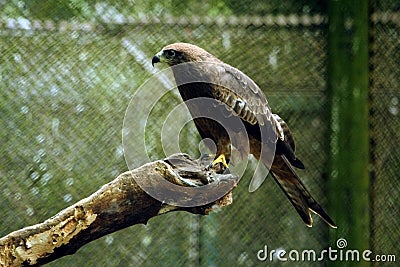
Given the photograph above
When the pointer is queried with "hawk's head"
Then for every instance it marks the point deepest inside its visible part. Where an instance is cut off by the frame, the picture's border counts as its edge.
(177, 53)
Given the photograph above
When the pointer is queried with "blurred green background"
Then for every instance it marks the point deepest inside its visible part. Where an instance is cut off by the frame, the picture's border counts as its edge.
(70, 68)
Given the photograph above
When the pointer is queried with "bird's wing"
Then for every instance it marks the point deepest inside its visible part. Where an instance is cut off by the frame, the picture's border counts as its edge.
(245, 99)
(288, 137)
(287, 146)
(235, 86)
(242, 95)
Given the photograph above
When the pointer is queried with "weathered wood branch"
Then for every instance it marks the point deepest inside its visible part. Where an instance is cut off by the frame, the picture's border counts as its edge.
(117, 205)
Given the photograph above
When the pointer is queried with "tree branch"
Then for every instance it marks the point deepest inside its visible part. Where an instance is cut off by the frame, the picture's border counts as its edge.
(117, 205)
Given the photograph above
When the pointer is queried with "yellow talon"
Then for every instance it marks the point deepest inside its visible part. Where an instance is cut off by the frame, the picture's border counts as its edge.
(220, 159)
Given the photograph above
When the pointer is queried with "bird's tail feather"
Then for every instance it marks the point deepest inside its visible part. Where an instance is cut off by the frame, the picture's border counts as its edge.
(296, 192)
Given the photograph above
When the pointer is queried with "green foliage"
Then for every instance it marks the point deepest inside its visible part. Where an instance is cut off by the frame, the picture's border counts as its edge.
(261, 8)
(56, 10)
(88, 9)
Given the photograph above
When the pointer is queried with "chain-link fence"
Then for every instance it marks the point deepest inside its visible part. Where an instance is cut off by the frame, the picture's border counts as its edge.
(385, 125)
(69, 70)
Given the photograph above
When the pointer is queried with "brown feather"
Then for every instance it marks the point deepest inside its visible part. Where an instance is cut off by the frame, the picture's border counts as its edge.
(296, 192)
(238, 96)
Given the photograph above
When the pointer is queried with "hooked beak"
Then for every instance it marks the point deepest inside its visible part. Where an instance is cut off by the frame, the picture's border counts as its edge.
(155, 60)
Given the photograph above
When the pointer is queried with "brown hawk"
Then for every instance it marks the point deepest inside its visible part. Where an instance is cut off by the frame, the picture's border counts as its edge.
(224, 102)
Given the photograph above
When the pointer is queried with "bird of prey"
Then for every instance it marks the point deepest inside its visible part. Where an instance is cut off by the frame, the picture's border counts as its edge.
(201, 75)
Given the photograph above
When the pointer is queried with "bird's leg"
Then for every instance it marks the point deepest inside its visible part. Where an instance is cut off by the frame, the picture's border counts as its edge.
(219, 164)
(220, 159)
(222, 156)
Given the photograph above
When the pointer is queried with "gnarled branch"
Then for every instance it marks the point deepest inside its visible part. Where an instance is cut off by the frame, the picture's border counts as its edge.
(119, 204)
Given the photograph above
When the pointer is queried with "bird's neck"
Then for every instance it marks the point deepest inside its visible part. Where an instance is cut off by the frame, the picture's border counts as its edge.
(192, 82)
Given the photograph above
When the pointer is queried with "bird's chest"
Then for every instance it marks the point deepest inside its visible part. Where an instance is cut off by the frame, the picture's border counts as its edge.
(198, 98)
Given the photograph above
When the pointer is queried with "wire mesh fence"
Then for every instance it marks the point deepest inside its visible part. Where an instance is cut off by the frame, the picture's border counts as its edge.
(69, 70)
(385, 94)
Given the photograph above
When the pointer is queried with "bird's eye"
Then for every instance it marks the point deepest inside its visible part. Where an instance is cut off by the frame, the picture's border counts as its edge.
(170, 53)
